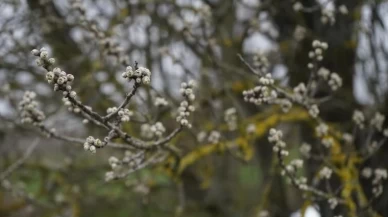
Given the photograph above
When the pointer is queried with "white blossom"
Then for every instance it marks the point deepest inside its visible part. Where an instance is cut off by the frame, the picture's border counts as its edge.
(275, 135)
(28, 108)
(335, 81)
(359, 119)
(320, 44)
(325, 173)
(263, 213)
(377, 190)
(324, 73)
(160, 102)
(230, 117)
(378, 121)
(380, 174)
(150, 131)
(261, 94)
(297, 6)
(314, 111)
(299, 91)
(367, 172)
(214, 137)
(285, 104)
(297, 163)
(305, 149)
(113, 162)
(92, 143)
(385, 132)
(60, 79)
(266, 80)
(186, 107)
(328, 16)
(261, 62)
(201, 136)
(348, 138)
(125, 115)
(343, 9)
(327, 142)
(140, 75)
(110, 175)
(251, 128)
(321, 130)
(333, 202)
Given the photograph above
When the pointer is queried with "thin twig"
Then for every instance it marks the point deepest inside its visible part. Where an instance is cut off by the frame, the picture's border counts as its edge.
(123, 104)
(20, 161)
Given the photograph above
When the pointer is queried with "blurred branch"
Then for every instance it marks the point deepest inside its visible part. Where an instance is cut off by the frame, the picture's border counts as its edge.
(21, 160)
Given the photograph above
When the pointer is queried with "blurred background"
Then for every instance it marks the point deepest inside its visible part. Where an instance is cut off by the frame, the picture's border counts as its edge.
(179, 40)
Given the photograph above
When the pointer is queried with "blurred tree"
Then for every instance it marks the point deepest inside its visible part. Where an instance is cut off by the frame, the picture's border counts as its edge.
(213, 168)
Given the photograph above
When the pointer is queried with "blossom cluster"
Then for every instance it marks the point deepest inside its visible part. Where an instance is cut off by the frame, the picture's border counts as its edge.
(327, 13)
(124, 115)
(275, 137)
(317, 53)
(328, 16)
(300, 92)
(29, 111)
(44, 59)
(305, 150)
(321, 130)
(378, 121)
(214, 137)
(297, 6)
(359, 119)
(261, 62)
(294, 165)
(160, 102)
(150, 131)
(140, 75)
(91, 144)
(186, 106)
(130, 161)
(325, 173)
(205, 12)
(380, 176)
(333, 79)
(333, 202)
(201, 136)
(314, 111)
(230, 117)
(61, 80)
(327, 142)
(70, 106)
(343, 9)
(285, 104)
(348, 138)
(263, 93)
